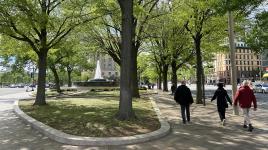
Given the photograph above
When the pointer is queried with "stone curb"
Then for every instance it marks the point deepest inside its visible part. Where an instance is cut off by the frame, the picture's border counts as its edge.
(94, 141)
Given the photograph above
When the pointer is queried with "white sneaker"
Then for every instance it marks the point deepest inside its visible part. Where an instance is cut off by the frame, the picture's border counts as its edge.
(223, 122)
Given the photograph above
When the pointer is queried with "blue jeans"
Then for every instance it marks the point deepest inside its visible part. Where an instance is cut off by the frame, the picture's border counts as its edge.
(185, 109)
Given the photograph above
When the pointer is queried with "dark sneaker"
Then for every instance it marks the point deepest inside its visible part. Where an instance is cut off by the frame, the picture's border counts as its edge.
(245, 126)
(250, 128)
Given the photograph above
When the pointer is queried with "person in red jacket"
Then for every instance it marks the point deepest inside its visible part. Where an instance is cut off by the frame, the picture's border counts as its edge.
(245, 97)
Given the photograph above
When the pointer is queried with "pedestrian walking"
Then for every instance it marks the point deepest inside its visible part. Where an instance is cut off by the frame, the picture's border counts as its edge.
(222, 98)
(245, 97)
(183, 96)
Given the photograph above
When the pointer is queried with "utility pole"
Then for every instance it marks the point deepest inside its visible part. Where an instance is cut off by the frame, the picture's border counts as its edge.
(232, 53)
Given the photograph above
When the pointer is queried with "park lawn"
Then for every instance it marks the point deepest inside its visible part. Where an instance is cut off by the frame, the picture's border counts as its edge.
(93, 117)
(113, 93)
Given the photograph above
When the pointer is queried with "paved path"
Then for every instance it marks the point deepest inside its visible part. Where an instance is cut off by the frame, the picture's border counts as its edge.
(204, 133)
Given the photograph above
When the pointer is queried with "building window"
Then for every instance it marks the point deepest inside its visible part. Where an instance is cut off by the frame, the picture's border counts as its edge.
(257, 62)
(109, 65)
(109, 73)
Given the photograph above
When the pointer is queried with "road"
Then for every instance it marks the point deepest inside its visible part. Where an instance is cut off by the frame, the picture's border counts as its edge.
(11, 94)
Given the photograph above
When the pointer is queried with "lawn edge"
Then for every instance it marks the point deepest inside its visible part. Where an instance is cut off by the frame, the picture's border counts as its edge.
(65, 138)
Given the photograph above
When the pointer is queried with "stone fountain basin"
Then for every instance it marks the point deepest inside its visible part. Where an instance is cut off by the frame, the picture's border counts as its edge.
(97, 82)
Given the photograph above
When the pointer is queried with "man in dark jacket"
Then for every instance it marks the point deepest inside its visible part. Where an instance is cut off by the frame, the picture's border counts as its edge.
(222, 98)
(246, 97)
(183, 96)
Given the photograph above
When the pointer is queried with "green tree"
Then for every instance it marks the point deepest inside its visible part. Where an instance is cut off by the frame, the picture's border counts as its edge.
(201, 21)
(108, 33)
(42, 25)
(257, 36)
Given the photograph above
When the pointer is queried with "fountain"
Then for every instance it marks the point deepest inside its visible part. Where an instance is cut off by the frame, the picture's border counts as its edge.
(98, 71)
(98, 80)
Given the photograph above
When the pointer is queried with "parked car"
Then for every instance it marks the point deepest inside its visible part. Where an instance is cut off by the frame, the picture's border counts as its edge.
(12, 86)
(20, 85)
(264, 88)
(261, 88)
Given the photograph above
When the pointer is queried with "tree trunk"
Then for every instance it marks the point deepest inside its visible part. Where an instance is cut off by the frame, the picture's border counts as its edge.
(174, 77)
(125, 105)
(42, 64)
(135, 89)
(199, 68)
(165, 83)
(203, 87)
(159, 82)
(69, 72)
(56, 78)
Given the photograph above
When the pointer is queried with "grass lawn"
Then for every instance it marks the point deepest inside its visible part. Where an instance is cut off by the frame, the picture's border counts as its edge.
(93, 117)
(97, 92)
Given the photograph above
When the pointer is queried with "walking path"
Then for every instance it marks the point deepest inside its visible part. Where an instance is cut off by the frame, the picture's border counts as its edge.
(204, 133)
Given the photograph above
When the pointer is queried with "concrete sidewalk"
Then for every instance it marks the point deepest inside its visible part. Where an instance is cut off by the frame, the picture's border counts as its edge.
(204, 133)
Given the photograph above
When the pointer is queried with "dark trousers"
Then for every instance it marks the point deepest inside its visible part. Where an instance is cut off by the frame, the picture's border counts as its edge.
(221, 112)
(185, 109)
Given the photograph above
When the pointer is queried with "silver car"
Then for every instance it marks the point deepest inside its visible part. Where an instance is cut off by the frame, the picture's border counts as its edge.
(260, 88)
(264, 88)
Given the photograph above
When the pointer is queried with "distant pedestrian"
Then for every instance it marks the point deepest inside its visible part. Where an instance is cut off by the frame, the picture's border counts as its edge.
(222, 98)
(173, 89)
(245, 97)
(183, 96)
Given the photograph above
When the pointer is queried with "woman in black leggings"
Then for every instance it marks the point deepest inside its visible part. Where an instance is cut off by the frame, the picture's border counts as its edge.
(222, 98)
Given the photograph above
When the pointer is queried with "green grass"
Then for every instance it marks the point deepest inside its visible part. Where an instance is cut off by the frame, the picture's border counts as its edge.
(93, 117)
(98, 92)
(112, 93)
